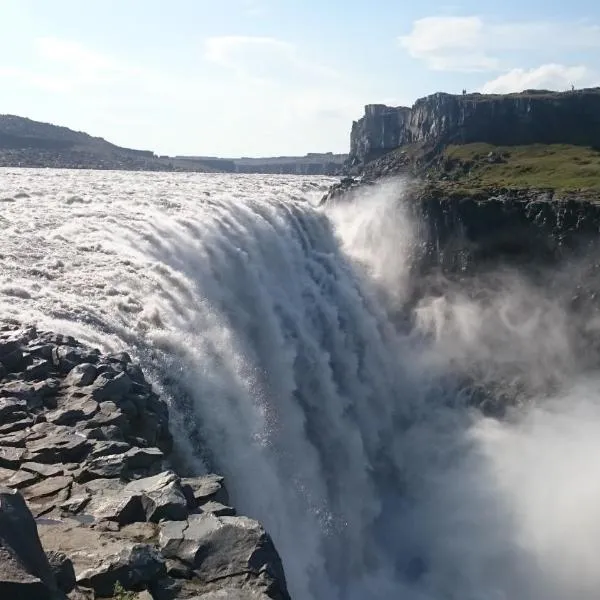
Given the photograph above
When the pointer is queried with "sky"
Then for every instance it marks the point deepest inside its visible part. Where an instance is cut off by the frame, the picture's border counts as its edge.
(274, 77)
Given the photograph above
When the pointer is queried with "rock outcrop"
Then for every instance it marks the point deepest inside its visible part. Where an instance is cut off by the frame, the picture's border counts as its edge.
(530, 117)
(85, 454)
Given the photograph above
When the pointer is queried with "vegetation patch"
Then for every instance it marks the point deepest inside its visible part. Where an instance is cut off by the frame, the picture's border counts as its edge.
(557, 167)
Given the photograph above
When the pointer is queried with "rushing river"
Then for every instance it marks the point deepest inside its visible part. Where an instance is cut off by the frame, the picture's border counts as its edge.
(266, 323)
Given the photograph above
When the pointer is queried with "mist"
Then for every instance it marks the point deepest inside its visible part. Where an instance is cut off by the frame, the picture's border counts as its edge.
(501, 451)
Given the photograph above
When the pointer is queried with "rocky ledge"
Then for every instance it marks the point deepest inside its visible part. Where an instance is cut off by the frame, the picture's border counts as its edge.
(91, 505)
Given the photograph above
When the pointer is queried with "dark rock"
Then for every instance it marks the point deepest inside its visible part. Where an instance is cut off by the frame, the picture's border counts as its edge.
(11, 457)
(82, 375)
(105, 388)
(161, 497)
(218, 509)
(106, 448)
(16, 439)
(59, 445)
(47, 487)
(63, 570)
(109, 415)
(43, 470)
(14, 361)
(9, 406)
(121, 508)
(121, 465)
(232, 594)
(121, 357)
(512, 119)
(41, 351)
(40, 369)
(24, 569)
(24, 422)
(200, 490)
(234, 550)
(73, 411)
(22, 479)
(133, 568)
(21, 391)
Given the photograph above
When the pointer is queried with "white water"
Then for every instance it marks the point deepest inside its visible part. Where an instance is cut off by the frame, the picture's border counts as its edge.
(264, 322)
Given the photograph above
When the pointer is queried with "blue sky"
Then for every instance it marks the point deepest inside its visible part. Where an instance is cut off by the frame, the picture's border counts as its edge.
(271, 77)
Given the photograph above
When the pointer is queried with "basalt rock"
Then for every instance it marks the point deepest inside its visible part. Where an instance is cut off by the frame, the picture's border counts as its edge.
(530, 117)
(86, 442)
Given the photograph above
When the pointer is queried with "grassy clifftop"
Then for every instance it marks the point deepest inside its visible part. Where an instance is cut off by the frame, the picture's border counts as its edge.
(561, 168)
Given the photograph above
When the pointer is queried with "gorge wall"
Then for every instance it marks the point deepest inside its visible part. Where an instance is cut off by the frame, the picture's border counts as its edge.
(530, 117)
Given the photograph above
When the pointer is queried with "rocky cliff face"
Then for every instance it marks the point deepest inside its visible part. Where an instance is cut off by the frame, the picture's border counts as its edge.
(86, 476)
(526, 118)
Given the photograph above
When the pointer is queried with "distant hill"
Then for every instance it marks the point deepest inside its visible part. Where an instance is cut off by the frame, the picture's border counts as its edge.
(27, 143)
(313, 163)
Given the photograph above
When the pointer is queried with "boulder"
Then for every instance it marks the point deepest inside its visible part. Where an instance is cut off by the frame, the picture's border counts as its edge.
(82, 375)
(25, 573)
(161, 497)
(115, 388)
(134, 567)
(233, 550)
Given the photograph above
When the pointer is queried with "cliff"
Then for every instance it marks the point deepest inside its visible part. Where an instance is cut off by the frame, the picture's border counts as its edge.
(530, 117)
(92, 502)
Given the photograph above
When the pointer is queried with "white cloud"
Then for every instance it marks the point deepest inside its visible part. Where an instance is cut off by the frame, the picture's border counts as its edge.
(263, 58)
(449, 43)
(473, 44)
(550, 76)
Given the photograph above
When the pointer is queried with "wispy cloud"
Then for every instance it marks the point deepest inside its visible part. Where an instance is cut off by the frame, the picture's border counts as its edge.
(471, 43)
(550, 76)
(262, 58)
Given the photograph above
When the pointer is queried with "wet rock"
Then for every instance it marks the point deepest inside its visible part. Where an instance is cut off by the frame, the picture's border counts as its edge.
(24, 569)
(63, 570)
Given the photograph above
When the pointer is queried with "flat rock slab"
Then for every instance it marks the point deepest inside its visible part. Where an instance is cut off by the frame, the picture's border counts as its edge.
(100, 559)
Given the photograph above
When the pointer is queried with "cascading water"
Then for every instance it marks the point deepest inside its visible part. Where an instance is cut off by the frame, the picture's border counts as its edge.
(265, 322)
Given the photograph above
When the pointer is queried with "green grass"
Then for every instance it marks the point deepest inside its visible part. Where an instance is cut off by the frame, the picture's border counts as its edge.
(121, 594)
(560, 167)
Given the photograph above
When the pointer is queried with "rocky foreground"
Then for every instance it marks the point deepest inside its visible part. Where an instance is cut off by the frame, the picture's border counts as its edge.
(90, 504)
